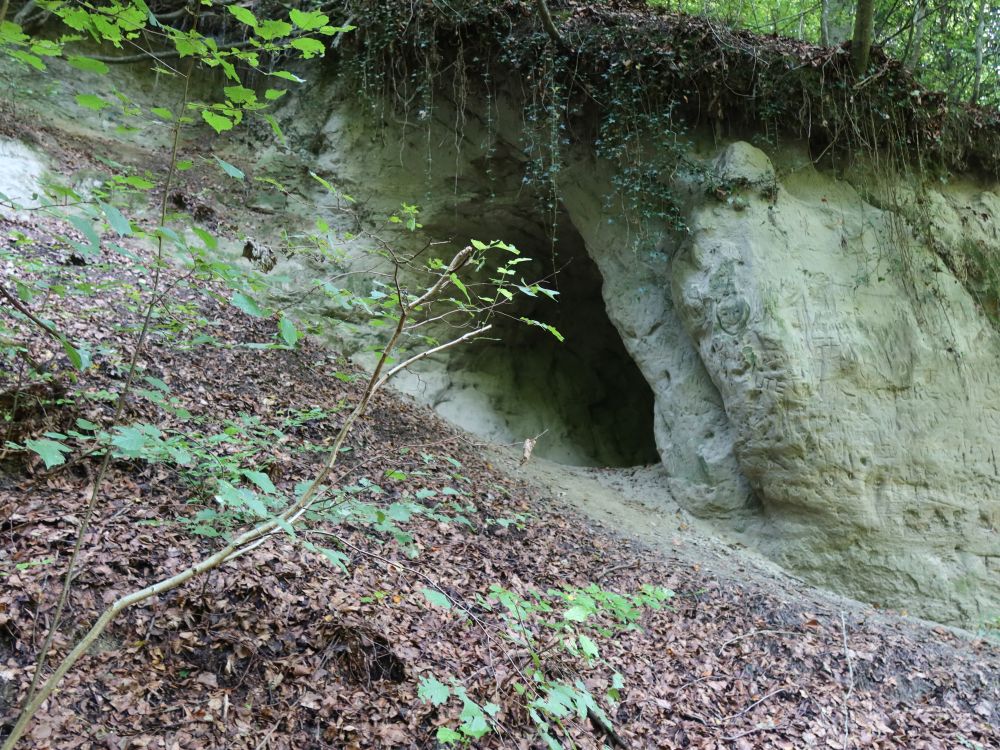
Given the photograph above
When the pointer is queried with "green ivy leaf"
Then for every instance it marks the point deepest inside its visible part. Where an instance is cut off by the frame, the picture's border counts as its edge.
(88, 64)
(308, 21)
(461, 287)
(91, 101)
(331, 30)
(262, 480)
(12, 33)
(309, 47)
(50, 451)
(272, 29)
(230, 496)
(474, 720)
(115, 218)
(219, 123)
(433, 691)
(79, 357)
(157, 383)
(130, 441)
(243, 15)
(210, 241)
(163, 113)
(25, 292)
(27, 58)
(274, 126)
(86, 228)
(46, 48)
(448, 735)
(588, 647)
(339, 559)
(229, 169)
(139, 182)
(545, 326)
(255, 505)
(247, 305)
(577, 613)
(287, 75)
(401, 512)
(240, 95)
(558, 702)
(436, 598)
(181, 456)
(289, 333)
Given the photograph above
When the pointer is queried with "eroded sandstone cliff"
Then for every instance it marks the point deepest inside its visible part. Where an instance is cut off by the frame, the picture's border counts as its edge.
(822, 380)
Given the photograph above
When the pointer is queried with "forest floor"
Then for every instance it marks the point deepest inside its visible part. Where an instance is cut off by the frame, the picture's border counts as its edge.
(282, 649)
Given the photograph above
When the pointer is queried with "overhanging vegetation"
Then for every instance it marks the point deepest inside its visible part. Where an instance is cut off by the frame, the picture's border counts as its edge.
(625, 70)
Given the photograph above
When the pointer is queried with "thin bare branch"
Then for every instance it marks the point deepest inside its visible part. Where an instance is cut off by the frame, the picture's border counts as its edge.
(428, 352)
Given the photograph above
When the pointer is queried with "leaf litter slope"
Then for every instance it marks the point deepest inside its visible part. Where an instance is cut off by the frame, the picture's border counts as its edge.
(282, 650)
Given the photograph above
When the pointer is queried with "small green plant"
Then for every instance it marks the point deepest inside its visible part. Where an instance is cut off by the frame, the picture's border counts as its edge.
(31, 564)
(474, 720)
(518, 521)
(376, 597)
(238, 501)
(567, 620)
(970, 744)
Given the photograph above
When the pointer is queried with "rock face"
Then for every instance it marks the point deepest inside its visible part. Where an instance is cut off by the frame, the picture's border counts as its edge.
(21, 173)
(858, 377)
(824, 385)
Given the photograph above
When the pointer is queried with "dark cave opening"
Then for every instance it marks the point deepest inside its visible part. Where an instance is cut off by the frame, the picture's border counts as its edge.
(585, 394)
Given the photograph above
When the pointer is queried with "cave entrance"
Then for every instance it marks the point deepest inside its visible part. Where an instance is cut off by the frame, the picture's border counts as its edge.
(586, 394)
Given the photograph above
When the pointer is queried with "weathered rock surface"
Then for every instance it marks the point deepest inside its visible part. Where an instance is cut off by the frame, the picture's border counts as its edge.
(21, 173)
(823, 383)
(858, 376)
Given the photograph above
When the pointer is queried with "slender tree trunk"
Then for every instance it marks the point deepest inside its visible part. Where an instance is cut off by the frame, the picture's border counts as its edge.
(980, 32)
(945, 64)
(861, 42)
(824, 23)
(914, 47)
(548, 23)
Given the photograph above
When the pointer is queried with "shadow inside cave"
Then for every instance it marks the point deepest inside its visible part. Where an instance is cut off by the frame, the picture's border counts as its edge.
(585, 393)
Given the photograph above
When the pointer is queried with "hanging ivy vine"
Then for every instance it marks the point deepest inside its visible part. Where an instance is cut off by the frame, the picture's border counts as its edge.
(632, 81)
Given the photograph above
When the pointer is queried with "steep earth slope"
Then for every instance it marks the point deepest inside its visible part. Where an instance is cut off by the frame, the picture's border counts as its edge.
(281, 650)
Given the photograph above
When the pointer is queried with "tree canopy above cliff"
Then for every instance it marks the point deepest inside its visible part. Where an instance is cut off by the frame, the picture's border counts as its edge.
(651, 65)
(952, 46)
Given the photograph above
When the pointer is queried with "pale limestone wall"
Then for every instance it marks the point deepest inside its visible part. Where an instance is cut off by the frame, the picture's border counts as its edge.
(693, 433)
(859, 377)
(825, 388)
(21, 173)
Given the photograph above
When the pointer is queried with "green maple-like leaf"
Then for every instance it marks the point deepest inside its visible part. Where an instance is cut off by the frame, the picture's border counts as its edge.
(50, 451)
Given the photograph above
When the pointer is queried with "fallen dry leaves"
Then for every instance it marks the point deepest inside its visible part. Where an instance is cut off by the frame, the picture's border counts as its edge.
(281, 650)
